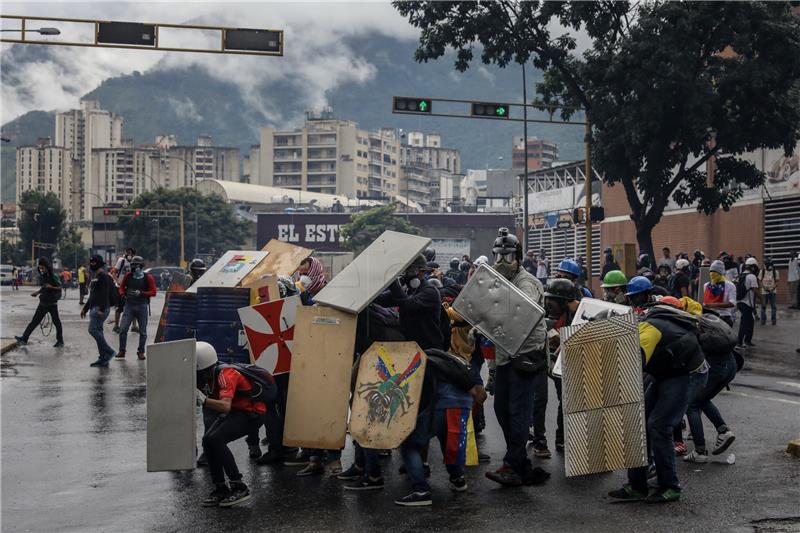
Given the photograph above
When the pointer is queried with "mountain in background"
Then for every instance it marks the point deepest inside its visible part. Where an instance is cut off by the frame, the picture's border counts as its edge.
(188, 102)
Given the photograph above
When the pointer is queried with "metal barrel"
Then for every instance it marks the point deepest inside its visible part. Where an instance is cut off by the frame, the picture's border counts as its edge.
(181, 316)
(218, 322)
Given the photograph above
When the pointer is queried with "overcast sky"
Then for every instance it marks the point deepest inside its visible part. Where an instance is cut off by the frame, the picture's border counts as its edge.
(314, 51)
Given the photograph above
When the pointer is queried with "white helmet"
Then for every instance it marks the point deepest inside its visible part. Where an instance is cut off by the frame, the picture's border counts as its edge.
(751, 261)
(680, 264)
(206, 355)
(482, 260)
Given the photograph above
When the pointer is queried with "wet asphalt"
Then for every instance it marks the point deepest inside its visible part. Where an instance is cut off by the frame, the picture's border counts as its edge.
(73, 459)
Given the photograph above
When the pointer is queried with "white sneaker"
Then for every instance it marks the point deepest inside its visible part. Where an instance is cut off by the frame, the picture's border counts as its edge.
(724, 440)
(695, 457)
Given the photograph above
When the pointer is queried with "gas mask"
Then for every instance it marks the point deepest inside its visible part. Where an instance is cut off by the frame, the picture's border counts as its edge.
(611, 294)
(639, 300)
(506, 264)
(137, 271)
(414, 283)
(554, 308)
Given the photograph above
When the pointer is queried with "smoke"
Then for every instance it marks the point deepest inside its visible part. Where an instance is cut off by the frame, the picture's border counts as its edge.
(317, 57)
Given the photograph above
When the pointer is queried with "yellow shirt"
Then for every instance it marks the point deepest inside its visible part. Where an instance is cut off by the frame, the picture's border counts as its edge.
(649, 337)
(82, 275)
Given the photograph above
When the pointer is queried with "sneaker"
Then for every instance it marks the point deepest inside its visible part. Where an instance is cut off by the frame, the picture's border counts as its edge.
(458, 484)
(651, 471)
(724, 440)
(202, 461)
(680, 448)
(254, 451)
(120, 355)
(22, 341)
(300, 459)
(351, 474)
(239, 494)
(664, 496)
(334, 466)
(58, 344)
(100, 362)
(740, 346)
(505, 476)
(484, 458)
(140, 356)
(627, 494)
(560, 445)
(270, 458)
(219, 494)
(696, 457)
(540, 449)
(115, 329)
(312, 468)
(535, 476)
(366, 483)
(425, 466)
(415, 499)
(749, 344)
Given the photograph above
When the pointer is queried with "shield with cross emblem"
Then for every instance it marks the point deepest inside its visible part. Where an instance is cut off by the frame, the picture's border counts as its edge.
(269, 328)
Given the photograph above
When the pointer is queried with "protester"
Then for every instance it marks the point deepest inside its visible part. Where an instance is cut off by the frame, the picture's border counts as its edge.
(83, 283)
(15, 278)
(122, 267)
(768, 279)
(644, 261)
(196, 269)
(614, 286)
(453, 272)
(640, 293)
(748, 295)
(543, 269)
(530, 263)
(516, 374)
(137, 287)
(312, 267)
(662, 277)
(680, 282)
(227, 392)
(49, 293)
(98, 305)
(463, 272)
(569, 269)
(609, 263)
(793, 277)
(719, 294)
(666, 259)
(66, 280)
(165, 278)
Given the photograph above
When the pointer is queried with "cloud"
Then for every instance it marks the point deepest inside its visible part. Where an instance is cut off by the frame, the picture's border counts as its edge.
(185, 109)
(317, 57)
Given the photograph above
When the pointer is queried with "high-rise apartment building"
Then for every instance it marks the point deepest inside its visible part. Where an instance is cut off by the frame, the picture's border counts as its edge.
(427, 169)
(46, 168)
(541, 153)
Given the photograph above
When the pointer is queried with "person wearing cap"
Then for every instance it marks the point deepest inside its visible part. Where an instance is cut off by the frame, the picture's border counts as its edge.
(614, 286)
(747, 303)
(680, 282)
(224, 393)
(97, 306)
(137, 287)
(768, 279)
(516, 374)
(640, 293)
(569, 269)
(719, 294)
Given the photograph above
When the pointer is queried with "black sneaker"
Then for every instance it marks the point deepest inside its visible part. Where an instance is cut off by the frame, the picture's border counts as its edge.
(541, 450)
(415, 499)
(202, 461)
(219, 494)
(58, 344)
(254, 451)
(560, 446)
(22, 341)
(351, 474)
(301, 458)
(239, 494)
(535, 476)
(270, 458)
(628, 494)
(366, 483)
(505, 476)
(458, 484)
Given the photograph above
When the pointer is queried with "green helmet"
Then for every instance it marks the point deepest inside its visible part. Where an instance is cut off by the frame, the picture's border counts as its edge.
(615, 278)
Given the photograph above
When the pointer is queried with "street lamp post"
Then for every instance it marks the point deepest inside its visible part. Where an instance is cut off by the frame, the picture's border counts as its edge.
(40, 31)
(158, 240)
(196, 204)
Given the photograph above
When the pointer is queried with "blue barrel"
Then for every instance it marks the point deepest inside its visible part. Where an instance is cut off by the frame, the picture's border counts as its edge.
(181, 319)
(218, 322)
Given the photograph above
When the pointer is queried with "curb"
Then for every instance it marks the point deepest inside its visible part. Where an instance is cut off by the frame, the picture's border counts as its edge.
(794, 447)
(8, 346)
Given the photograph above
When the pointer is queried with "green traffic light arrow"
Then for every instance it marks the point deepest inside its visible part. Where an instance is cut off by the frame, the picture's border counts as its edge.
(423, 105)
(500, 111)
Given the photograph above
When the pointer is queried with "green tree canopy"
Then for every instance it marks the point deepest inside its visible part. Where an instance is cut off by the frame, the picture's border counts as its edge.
(71, 250)
(219, 228)
(367, 226)
(41, 219)
(665, 85)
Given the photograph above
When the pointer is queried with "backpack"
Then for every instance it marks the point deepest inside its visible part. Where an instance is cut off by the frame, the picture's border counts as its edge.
(716, 337)
(264, 388)
(741, 286)
(450, 368)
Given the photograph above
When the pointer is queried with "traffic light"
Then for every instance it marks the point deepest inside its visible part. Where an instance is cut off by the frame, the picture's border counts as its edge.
(106, 212)
(487, 109)
(412, 105)
(137, 213)
(126, 33)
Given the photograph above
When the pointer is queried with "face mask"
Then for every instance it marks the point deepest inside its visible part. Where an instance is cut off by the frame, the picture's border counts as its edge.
(414, 283)
(138, 273)
(507, 270)
(553, 308)
(716, 278)
(94, 266)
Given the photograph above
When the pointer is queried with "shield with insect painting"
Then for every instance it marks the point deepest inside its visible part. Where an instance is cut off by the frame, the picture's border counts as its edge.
(387, 394)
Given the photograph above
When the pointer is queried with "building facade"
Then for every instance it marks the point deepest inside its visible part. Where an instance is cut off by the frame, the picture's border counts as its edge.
(541, 153)
(46, 168)
(429, 173)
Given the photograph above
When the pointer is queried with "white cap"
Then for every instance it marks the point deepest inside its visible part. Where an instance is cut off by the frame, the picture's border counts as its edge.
(751, 261)
(206, 355)
(680, 264)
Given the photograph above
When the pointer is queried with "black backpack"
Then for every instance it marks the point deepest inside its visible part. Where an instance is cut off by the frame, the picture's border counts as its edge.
(264, 388)
(715, 336)
(450, 368)
(741, 286)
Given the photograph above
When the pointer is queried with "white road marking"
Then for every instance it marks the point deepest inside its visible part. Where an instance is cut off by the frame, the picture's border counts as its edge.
(764, 397)
(789, 384)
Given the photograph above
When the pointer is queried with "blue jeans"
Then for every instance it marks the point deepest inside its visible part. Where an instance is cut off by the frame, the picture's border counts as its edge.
(411, 449)
(665, 403)
(722, 371)
(771, 299)
(513, 406)
(139, 312)
(96, 320)
(367, 460)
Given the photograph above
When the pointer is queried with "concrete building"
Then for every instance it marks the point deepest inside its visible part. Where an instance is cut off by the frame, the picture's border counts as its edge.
(428, 172)
(124, 173)
(541, 153)
(330, 156)
(47, 168)
(180, 165)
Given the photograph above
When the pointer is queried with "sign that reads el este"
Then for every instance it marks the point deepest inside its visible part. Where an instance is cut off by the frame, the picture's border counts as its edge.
(310, 233)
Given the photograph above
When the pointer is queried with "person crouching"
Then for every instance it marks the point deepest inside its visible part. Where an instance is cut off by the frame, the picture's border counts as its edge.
(220, 389)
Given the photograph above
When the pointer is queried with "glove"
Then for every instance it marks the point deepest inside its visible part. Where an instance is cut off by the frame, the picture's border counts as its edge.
(200, 398)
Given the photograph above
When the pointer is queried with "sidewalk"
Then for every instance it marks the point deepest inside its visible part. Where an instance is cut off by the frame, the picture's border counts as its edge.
(774, 351)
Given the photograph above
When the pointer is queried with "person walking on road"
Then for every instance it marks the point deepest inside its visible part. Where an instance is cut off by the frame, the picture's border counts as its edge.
(747, 296)
(98, 306)
(793, 277)
(768, 279)
(49, 294)
(137, 287)
(83, 283)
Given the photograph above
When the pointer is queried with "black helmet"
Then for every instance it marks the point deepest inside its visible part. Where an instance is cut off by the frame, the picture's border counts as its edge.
(430, 254)
(419, 263)
(137, 260)
(97, 259)
(507, 243)
(197, 267)
(562, 289)
(454, 262)
(464, 266)
(647, 273)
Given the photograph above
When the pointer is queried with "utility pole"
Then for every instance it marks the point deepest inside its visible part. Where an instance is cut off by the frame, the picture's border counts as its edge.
(525, 211)
(183, 244)
(587, 192)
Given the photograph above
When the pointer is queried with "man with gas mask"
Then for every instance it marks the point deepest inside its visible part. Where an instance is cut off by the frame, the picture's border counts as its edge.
(561, 303)
(517, 375)
(137, 287)
(196, 269)
(419, 304)
(640, 293)
(614, 284)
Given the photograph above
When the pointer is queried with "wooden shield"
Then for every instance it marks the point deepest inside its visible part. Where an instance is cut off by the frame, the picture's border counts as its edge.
(387, 393)
(319, 383)
(283, 260)
(269, 328)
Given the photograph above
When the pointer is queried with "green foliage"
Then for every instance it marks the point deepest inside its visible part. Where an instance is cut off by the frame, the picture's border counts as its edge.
(219, 228)
(367, 226)
(71, 250)
(42, 219)
(658, 83)
(13, 254)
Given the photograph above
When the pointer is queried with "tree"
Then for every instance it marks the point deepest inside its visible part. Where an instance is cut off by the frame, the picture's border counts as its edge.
(666, 86)
(13, 253)
(71, 250)
(367, 226)
(41, 219)
(219, 228)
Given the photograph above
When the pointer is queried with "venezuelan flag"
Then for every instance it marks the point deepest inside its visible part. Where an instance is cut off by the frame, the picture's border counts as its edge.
(461, 448)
